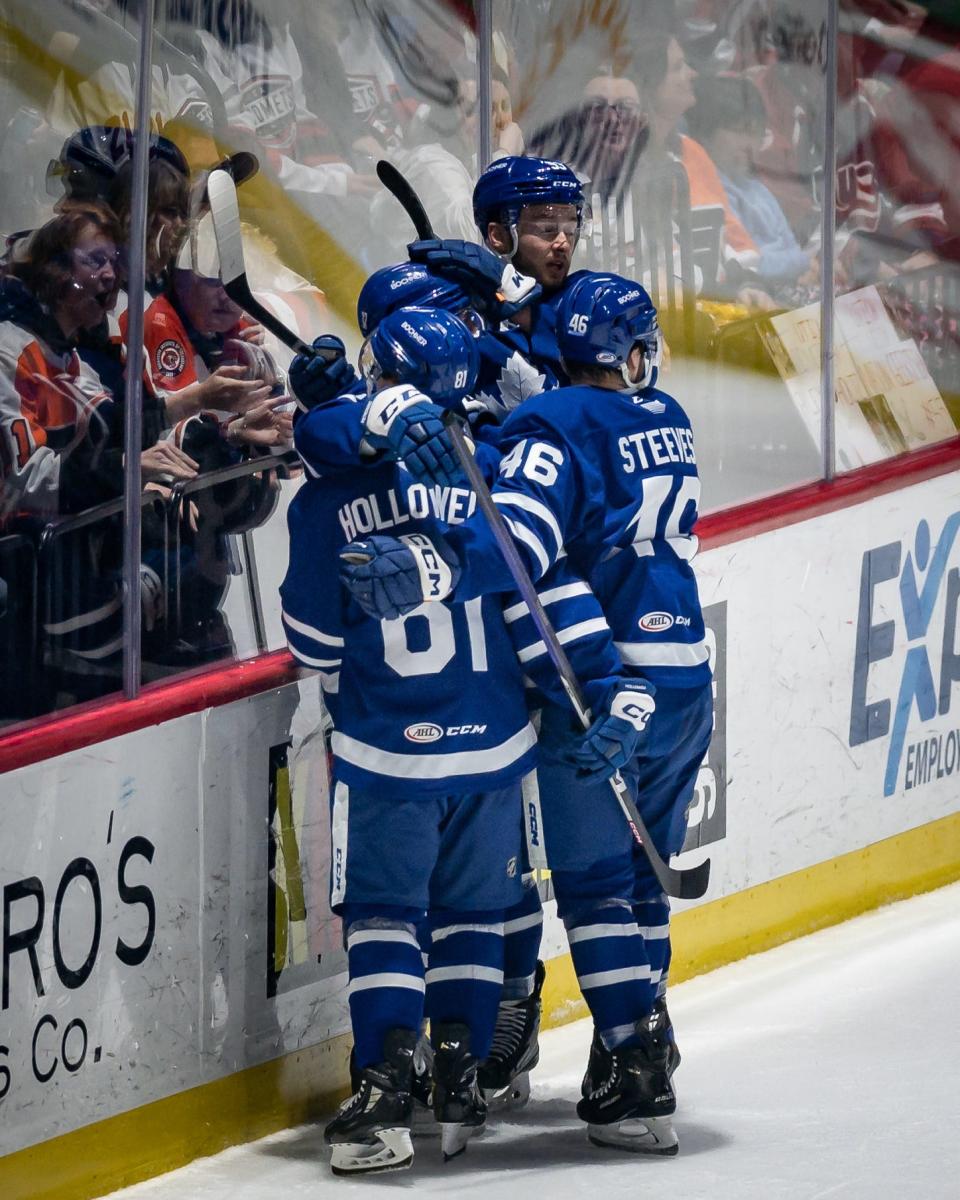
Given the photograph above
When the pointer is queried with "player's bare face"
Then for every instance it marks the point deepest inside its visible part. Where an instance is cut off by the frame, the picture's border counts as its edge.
(546, 238)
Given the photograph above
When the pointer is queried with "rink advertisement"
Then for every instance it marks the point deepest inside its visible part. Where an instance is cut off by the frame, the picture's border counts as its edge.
(908, 613)
(136, 879)
(842, 708)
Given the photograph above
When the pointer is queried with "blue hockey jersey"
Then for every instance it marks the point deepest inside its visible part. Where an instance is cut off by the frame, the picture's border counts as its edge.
(611, 479)
(434, 701)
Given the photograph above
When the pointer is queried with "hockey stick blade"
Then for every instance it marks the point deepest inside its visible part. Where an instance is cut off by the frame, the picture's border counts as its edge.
(395, 183)
(688, 884)
(225, 211)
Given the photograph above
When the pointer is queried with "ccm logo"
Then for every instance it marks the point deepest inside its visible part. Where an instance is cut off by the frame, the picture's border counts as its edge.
(423, 733)
(655, 622)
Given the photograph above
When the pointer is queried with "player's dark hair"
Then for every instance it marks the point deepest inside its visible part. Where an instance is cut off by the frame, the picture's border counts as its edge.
(586, 373)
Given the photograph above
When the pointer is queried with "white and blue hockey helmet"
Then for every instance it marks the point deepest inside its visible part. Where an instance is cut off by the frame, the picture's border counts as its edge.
(510, 183)
(427, 347)
(601, 317)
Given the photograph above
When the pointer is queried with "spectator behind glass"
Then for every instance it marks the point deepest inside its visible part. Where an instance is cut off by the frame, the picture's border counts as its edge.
(729, 120)
(58, 441)
(601, 139)
(444, 170)
(666, 83)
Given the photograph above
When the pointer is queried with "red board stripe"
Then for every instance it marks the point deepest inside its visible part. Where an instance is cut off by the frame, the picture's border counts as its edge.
(88, 724)
(814, 499)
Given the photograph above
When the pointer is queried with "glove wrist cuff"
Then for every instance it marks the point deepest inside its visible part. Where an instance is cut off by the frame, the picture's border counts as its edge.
(436, 575)
(385, 406)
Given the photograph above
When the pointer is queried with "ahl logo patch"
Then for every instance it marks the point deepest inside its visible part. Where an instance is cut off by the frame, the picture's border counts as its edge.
(655, 622)
(424, 732)
(171, 357)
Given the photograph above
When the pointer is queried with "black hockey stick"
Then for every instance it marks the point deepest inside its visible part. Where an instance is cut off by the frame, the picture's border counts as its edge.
(395, 183)
(222, 193)
(689, 884)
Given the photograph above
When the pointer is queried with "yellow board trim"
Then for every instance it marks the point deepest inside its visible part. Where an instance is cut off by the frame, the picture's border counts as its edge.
(169, 1133)
(769, 914)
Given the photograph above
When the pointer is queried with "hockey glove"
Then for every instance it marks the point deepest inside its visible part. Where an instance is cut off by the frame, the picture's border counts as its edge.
(614, 738)
(409, 426)
(389, 577)
(315, 380)
(498, 287)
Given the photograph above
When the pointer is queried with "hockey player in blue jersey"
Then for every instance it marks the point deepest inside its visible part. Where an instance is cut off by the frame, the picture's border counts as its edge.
(605, 470)
(530, 212)
(431, 740)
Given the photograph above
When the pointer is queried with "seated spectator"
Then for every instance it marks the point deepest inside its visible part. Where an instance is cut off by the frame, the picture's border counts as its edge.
(729, 119)
(666, 83)
(444, 169)
(601, 139)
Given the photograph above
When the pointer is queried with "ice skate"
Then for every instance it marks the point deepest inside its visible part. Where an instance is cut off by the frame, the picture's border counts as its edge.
(631, 1108)
(422, 1123)
(600, 1062)
(505, 1073)
(458, 1103)
(371, 1131)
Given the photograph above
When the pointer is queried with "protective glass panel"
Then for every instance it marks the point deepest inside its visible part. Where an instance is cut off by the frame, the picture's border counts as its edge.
(65, 198)
(698, 131)
(299, 101)
(898, 149)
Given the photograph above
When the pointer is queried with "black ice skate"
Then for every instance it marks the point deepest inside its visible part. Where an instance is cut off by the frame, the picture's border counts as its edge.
(600, 1062)
(631, 1108)
(505, 1072)
(458, 1103)
(371, 1131)
(422, 1123)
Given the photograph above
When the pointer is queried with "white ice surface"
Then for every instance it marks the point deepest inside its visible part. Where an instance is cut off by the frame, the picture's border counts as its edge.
(829, 1067)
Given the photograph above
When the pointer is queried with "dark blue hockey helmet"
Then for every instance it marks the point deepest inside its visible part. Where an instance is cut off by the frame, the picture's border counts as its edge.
(601, 317)
(510, 183)
(427, 347)
(402, 285)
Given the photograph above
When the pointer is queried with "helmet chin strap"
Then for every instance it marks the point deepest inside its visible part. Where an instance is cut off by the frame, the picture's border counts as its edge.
(630, 388)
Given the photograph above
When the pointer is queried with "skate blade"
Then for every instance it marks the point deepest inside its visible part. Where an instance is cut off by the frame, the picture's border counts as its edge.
(639, 1135)
(454, 1137)
(514, 1095)
(393, 1151)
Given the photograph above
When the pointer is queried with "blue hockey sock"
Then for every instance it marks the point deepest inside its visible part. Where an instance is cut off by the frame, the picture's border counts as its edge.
(653, 921)
(465, 973)
(386, 982)
(609, 954)
(522, 930)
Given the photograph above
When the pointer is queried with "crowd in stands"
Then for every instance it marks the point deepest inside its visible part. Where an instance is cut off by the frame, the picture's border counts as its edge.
(721, 104)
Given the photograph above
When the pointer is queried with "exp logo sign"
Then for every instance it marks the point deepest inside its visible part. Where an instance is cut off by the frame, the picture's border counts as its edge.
(926, 585)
